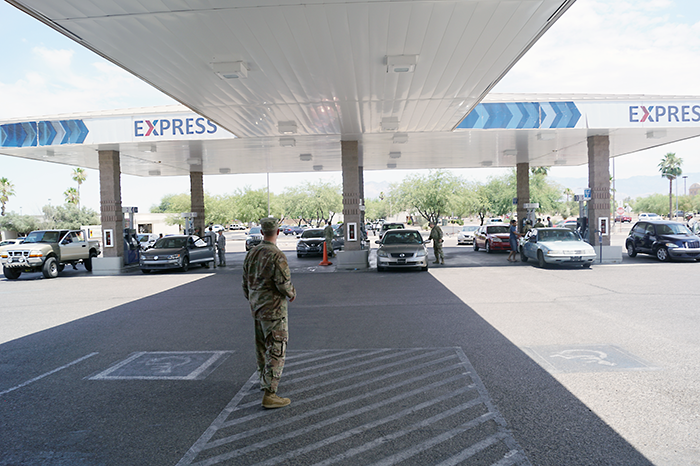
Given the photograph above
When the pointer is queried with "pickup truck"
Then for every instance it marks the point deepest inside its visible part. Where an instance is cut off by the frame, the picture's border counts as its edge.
(48, 251)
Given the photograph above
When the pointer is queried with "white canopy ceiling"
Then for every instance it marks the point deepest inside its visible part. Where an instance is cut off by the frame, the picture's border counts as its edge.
(323, 71)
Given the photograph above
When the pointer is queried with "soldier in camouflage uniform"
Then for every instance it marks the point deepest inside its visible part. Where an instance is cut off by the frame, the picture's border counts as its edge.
(267, 284)
(436, 235)
(328, 234)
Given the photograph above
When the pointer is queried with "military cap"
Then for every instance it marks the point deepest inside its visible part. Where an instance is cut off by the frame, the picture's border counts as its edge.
(269, 224)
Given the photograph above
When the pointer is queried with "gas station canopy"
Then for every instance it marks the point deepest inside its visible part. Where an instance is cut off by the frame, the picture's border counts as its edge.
(275, 86)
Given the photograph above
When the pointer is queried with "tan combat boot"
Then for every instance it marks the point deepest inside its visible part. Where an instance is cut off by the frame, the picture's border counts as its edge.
(271, 400)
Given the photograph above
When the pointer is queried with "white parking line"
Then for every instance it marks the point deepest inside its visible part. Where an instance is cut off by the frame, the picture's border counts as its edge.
(48, 373)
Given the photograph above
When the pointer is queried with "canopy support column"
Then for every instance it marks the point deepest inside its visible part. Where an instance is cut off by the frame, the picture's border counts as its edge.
(353, 256)
(112, 217)
(522, 191)
(599, 226)
(197, 200)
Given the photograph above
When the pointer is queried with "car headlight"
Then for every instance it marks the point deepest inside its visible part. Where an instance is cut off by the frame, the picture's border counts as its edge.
(381, 253)
(496, 240)
(302, 245)
(173, 256)
(421, 253)
(36, 254)
(671, 245)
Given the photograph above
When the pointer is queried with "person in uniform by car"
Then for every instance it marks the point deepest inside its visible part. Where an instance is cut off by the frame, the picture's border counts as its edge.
(436, 235)
(221, 247)
(267, 284)
(212, 240)
(328, 234)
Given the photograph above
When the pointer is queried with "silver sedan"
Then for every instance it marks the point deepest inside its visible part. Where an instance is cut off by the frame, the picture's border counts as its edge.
(402, 249)
(556, 246)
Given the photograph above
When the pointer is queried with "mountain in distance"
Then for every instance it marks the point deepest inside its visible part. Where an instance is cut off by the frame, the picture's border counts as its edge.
(635, 186)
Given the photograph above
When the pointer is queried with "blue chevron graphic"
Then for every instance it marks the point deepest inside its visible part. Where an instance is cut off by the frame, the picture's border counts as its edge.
(522, 115)
(43, 133)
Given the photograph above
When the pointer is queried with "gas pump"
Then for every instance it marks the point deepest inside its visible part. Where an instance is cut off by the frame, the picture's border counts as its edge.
(582, 222)
(189, 222)
(131, 241)
(531, 208)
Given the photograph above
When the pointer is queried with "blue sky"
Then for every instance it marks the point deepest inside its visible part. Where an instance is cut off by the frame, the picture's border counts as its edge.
(599, 46)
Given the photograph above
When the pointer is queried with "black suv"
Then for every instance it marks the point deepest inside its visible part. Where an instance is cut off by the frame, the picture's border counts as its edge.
(663, 239)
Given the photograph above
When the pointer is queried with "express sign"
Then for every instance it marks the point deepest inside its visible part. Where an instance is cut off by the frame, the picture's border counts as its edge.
(173, 127)
(664, 113)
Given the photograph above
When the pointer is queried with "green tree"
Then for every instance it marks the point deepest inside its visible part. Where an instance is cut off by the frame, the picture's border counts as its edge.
(22, 224)
(375, 209)
(79, 175)
(251, 204)
(430, 195)
(72, 196)
(7, 189)
(670, 167)
(69, 216)
(654, 203)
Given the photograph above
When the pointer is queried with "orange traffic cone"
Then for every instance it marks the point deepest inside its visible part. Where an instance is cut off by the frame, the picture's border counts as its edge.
(325, 260)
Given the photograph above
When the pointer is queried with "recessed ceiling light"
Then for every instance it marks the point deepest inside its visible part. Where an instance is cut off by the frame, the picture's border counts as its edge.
(546, 136)
(401, 63)
(231, 70)
(224, 171)
(287, 127)
(400, 138)
(390, 165)
(288, 142)
(153, 172)
(395, 155)
(305, 157)
(486, 163)
(318, 168)
(510, 152)
(390, 123)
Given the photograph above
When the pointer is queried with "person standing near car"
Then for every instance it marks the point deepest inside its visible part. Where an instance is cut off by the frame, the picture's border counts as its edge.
(221, 248)
(436, 235)
(212, 240)
(267, 284)
(513, 239)
(328, 233)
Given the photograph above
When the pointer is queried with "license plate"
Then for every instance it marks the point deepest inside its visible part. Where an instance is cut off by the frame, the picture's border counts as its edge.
(401, 261)
(576, 258)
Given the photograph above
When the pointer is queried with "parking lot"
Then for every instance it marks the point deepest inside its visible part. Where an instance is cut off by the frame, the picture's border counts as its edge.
(479, 361)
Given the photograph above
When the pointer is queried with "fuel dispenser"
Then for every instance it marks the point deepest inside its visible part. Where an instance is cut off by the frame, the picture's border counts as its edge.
(189, 222)
(582, 224)
(131, 241)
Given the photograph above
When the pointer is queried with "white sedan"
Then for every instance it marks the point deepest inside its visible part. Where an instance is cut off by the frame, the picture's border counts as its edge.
(466, 235)
(556, 246)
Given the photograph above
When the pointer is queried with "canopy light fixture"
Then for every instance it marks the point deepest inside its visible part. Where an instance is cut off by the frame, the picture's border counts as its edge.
(546, 136)
(224, 171)
(560, 162)
(656, 134)
(401, 63)
(231, 70)
(390, 123)
(288, 142)
(510, 152)
(395, 155)
(153, 172)
(148, 147)
(318, 168)
(391, 165)
(486, 163)
(194, 161)
(305, 157)
(287, 127)
(400, 138)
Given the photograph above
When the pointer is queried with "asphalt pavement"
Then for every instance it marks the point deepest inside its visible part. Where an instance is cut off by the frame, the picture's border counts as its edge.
(476, 362)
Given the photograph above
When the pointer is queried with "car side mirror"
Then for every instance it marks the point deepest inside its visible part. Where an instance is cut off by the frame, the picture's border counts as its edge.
(377, 242)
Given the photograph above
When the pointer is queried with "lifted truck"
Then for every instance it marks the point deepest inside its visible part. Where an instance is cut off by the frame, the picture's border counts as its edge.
(49, 251)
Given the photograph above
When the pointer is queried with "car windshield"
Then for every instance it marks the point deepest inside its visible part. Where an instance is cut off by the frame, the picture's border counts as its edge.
(392, 226)
(312, 234)
(558, 235)
(255, 231)
(672, 229)
(470, 228)
(497, 229)
(42, 237)
(170, 243)
(402, 237)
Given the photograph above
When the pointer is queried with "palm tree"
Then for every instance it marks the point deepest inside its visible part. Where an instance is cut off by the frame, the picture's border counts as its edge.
(540, 171)
(79, 176)
(72, 196)
(670, 167)
(7, 189)
(568, 193)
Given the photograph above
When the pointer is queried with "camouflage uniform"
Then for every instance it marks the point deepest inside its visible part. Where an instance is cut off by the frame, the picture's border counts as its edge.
(436, 235)
(328, 233)
(267, 284)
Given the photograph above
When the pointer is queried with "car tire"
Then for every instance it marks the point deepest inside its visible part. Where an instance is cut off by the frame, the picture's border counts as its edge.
(88, 262)
(662, 254)
(146, 271)
(11, 274)
(476, 246)
(50, 268)
(587, 265)
(631, 251)
(380, 269)
(300, 255)
(424, 269)
(185, 264)
(488, 247)
(523, 257)
(540, 260)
